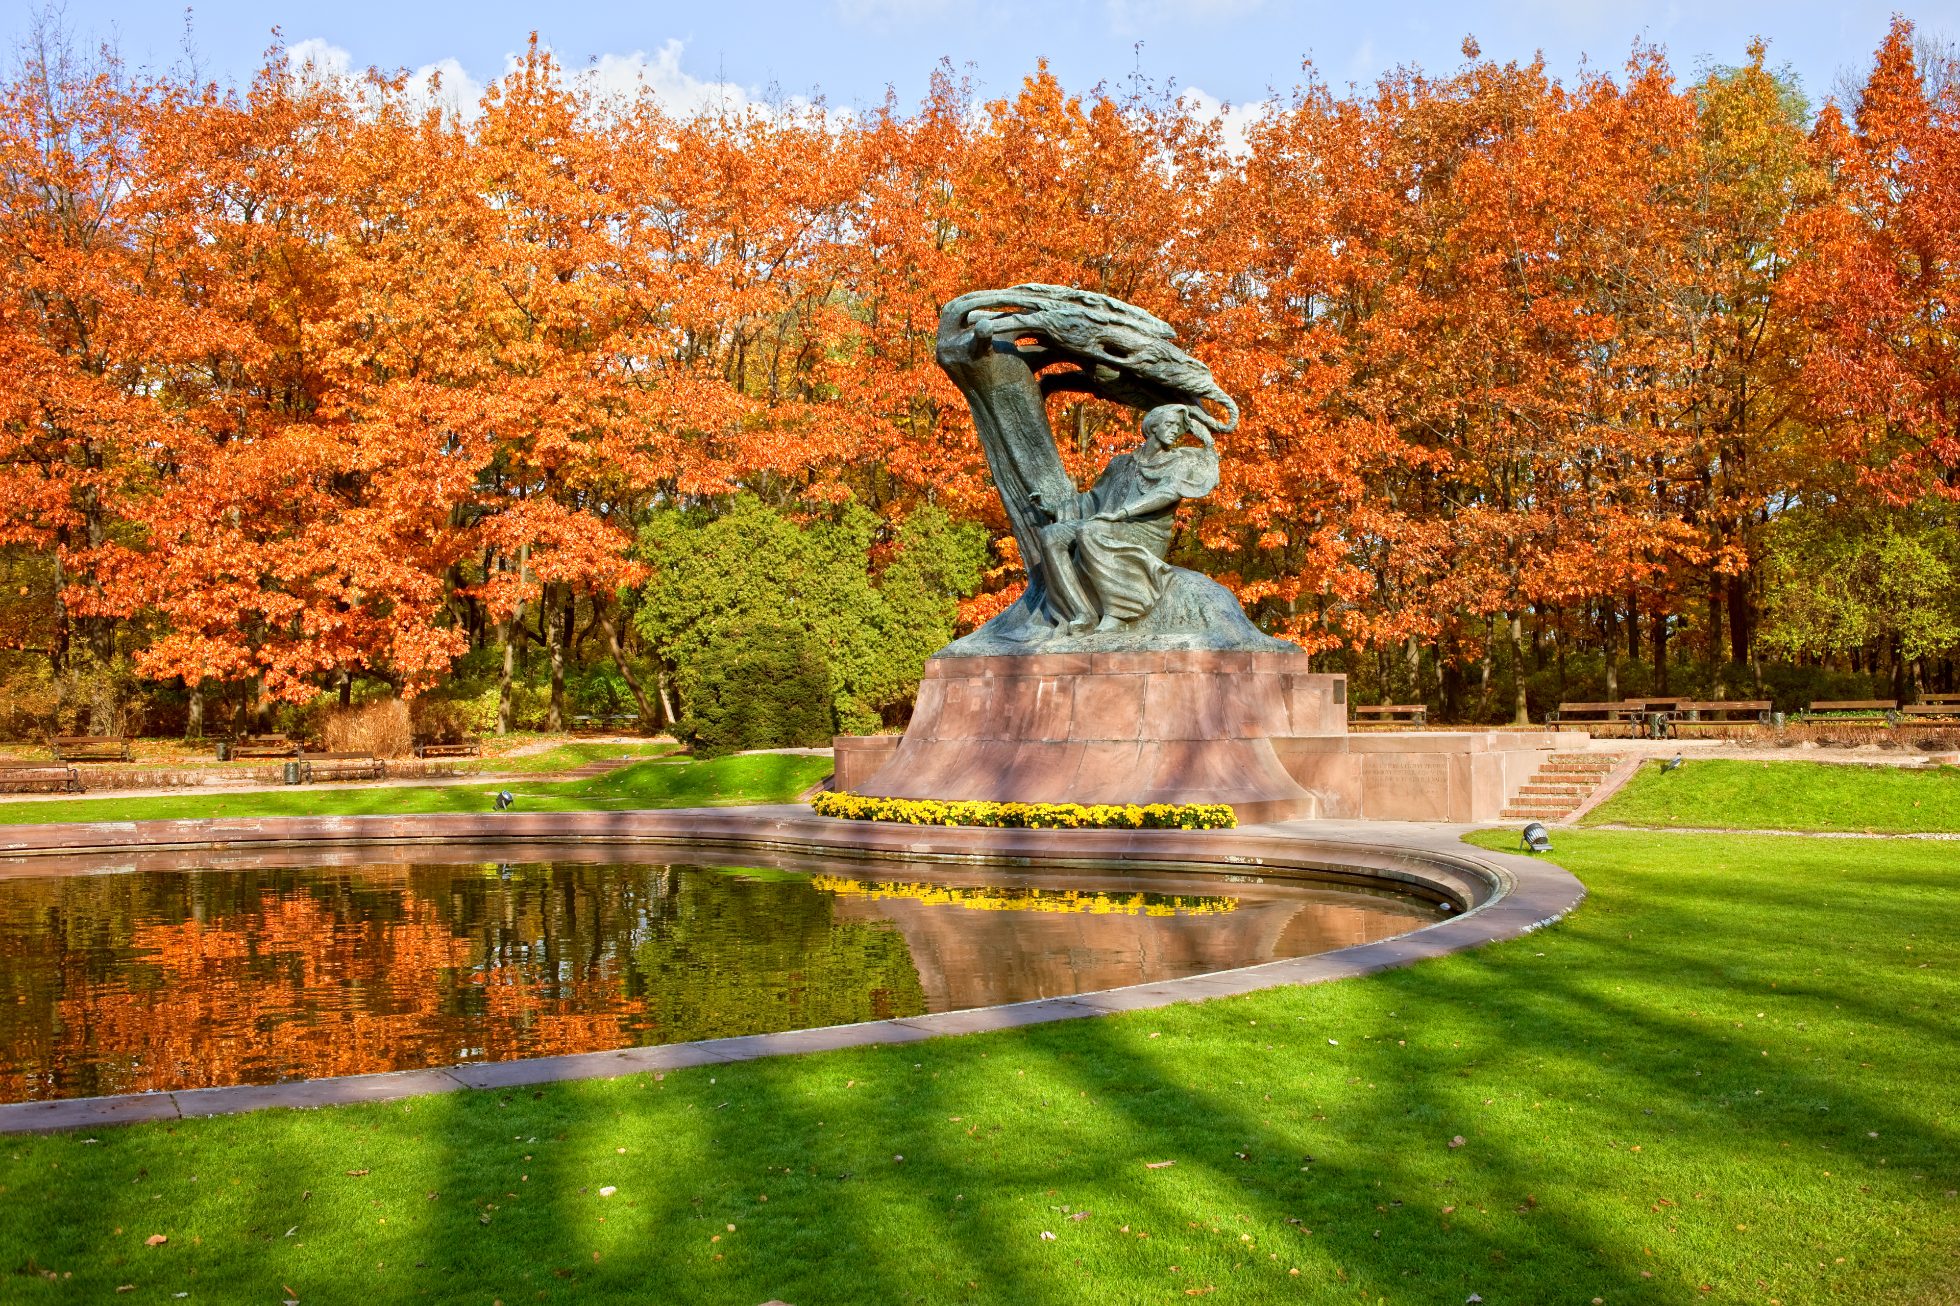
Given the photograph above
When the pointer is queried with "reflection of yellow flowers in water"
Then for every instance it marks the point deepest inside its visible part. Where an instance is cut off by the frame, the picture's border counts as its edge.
(1008, 898)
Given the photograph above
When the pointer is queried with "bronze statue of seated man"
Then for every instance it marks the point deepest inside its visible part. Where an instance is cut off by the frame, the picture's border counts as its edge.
(1104, 553)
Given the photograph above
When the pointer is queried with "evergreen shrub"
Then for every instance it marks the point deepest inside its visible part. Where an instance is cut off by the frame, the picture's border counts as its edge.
(761, 686)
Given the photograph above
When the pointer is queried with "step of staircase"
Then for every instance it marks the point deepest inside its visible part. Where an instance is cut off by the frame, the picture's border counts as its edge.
(1560, 787)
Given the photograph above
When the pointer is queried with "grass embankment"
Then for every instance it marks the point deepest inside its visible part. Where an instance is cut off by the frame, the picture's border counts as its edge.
(745, 778)
(1728, 1077)
(1735, 795)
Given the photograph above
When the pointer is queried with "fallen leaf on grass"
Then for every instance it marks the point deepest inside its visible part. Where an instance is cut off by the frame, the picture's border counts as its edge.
(1457, 1141)
(156, 1240)
(1047, 1237)
(355, 1174)
(1157, 1165)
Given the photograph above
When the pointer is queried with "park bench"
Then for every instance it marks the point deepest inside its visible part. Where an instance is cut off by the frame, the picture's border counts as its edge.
(90, 748)
(20, 775)
(461, 748)
(264, 746)
(1651, 703)
(1940, 700)
(1723, 711)
(1934, 710)
(1636, 715)
(1415, 714)
(342, 766)
(1853, 707)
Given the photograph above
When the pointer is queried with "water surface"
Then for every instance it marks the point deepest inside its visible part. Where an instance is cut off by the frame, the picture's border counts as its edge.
(171, 976)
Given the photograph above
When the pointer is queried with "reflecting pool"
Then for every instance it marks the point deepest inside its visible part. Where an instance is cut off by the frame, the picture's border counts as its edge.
(160, 976)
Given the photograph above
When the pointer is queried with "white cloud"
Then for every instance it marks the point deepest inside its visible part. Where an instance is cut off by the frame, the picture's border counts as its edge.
(1237, 118)
(612, 77)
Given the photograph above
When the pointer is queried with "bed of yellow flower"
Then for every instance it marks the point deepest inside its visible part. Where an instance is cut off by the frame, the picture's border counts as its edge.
(1728, 1077)
(1027, 816)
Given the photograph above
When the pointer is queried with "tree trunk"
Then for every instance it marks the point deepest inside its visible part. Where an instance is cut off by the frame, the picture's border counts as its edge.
(554, 719)
(194, 721)
(1715, 588)
(505, 629)
(668, 715)
(1660, 652)
(1484, 670)
(1520, 715)
(1742, 621)
(507, 632)
(611, 630)
(1633, 628)
(1412, 654)
(1612, 650)
(346, 688)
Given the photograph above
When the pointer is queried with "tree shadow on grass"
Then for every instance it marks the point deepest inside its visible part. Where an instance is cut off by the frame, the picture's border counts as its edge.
(1551, 1073)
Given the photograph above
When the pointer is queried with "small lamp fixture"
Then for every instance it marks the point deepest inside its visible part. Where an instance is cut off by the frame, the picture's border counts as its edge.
(1672, 763)
(504, 800)
(1534, 839)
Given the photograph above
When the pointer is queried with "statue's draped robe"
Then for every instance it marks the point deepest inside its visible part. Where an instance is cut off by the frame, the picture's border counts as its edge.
(1122, 562)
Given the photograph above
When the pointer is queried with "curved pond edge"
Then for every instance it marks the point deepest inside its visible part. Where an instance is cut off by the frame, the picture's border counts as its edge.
(1497, 895)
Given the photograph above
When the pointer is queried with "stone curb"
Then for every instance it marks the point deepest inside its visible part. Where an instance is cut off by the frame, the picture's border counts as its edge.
(1499, 896)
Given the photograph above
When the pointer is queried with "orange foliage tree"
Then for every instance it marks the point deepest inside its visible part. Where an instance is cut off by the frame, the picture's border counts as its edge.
(318, 379)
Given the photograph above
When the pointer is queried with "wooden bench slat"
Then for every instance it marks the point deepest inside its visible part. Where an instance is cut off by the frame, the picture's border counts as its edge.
(90, 748)
(342, 766)
(26, 775)
(1856, 705)
(464, 748)
(1411, 713)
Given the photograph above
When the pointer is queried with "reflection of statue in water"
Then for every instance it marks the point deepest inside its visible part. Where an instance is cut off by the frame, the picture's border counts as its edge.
(1097, 575)
(1105, 552)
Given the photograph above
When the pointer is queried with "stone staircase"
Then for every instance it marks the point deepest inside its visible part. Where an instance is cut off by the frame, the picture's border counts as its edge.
(1562, 784)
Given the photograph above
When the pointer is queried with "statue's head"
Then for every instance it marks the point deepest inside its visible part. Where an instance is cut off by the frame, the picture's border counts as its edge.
(1166, 424)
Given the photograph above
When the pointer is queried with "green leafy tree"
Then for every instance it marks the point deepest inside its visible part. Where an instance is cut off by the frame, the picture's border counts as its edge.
(750, 567)
(1839, 579)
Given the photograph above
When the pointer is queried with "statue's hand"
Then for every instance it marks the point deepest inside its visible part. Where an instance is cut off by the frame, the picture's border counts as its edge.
(1108, 514)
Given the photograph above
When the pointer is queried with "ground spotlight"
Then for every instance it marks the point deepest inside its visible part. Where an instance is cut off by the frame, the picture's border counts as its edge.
(504, 800)
(1535, 839)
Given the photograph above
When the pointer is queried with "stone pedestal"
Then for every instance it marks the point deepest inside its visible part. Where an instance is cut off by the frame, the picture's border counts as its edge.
(1420, 775)
(1188, 726)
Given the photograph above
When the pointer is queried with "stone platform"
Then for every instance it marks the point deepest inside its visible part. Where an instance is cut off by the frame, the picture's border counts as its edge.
(1179, 726)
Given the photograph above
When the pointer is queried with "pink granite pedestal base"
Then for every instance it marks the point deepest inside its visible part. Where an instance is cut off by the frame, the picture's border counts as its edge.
(1171, 727)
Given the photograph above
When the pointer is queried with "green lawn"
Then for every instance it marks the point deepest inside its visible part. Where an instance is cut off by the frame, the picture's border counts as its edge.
(1735, 795)
(744, 778)
(564, 757)
(1728, 1078)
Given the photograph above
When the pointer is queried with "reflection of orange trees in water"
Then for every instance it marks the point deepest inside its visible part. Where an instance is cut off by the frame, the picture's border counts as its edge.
(290, 989)
(1028, 898)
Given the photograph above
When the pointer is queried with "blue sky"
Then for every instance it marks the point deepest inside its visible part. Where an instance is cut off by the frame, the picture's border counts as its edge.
(852, 50)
